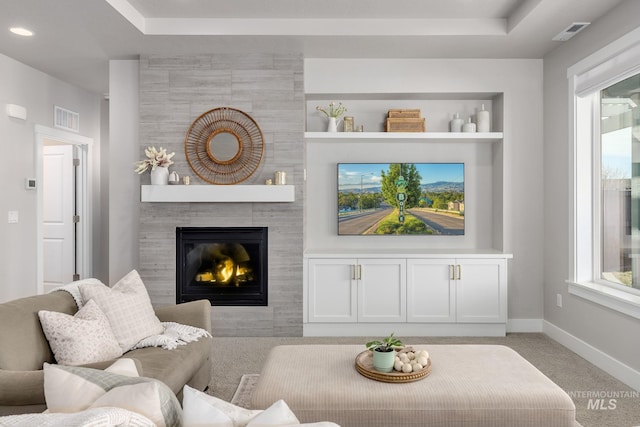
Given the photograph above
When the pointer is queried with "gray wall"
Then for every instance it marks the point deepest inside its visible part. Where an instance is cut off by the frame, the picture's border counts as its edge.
(604, 329)
(123, 187)
(38, 93)
(174, 91)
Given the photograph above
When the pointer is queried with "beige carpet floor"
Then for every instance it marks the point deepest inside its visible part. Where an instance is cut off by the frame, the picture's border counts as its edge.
(235, 356)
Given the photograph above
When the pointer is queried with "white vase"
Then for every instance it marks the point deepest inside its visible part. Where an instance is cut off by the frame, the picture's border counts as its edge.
(483, 120)
(469, 126)
(333, 124)
(455, 125)
(160, 176)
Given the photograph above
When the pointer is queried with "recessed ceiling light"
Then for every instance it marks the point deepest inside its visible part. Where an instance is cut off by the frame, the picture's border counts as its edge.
(21, 31)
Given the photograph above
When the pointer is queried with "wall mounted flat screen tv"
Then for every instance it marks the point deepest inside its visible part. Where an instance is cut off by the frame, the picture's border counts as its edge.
(401, 199)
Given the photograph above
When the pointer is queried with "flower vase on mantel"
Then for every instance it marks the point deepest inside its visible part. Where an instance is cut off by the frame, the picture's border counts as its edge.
(333, 124)
(160, 175)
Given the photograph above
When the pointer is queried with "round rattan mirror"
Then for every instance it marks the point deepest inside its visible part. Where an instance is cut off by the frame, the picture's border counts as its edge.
(224, 146)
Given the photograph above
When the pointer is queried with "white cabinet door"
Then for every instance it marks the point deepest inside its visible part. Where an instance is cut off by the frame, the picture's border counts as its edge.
(481, 291)
(332, 290)
(382, 293)
(431, 290)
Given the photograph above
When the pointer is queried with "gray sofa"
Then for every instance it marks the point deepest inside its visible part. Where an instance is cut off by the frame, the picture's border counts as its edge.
(24, 349)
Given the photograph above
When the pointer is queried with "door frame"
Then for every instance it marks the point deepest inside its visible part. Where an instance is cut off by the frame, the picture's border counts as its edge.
(84, 237)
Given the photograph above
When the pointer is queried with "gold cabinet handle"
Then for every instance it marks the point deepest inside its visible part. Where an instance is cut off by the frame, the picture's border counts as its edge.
(353, 272)
(451, 274)
(359, 271)
(459, 272)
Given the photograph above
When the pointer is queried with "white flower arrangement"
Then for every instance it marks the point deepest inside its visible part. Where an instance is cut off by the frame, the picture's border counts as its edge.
(334, 110)
(154, 159)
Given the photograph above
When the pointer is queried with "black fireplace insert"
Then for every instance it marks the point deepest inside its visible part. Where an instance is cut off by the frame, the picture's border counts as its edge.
(226, 265)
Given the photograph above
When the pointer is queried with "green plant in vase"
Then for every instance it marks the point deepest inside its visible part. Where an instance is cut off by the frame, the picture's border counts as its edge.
(384, 353)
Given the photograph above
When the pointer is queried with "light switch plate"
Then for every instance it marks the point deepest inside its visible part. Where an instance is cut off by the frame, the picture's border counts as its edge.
(12, 217)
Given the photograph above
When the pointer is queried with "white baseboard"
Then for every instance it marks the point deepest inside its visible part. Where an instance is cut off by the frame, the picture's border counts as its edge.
(525, 325)
(613, 367)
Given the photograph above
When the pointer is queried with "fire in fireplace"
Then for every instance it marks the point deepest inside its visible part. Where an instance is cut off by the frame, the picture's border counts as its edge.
(226, 265)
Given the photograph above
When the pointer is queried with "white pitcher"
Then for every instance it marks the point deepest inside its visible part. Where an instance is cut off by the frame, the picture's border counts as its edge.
(333, 124)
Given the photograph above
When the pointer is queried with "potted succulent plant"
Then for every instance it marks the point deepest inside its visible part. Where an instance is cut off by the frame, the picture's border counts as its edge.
(384, 352)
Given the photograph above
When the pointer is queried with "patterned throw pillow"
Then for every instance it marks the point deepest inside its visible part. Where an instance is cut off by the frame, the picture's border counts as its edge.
(74, 389)
(128, 308)
(83, 338)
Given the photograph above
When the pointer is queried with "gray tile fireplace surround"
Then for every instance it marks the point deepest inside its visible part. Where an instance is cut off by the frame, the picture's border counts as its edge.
(174, 91)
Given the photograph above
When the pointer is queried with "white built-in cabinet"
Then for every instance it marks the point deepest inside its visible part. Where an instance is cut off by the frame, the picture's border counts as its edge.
(405, 294)
(456, 290)
(357, 290)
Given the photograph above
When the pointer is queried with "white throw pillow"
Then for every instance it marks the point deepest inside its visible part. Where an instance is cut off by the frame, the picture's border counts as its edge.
(128, 308)
(277, 414)
(73, 389)
(203, 410)
(200, 409)
(152, 399)
(85, 337)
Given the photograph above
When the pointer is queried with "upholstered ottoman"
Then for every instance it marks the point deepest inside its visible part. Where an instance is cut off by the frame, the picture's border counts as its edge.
(469, 385)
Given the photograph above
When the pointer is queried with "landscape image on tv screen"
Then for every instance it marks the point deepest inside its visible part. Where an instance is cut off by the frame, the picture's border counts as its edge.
(401, 199)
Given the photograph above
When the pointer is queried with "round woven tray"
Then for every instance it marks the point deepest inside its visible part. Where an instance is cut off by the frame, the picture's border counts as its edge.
(364, 365)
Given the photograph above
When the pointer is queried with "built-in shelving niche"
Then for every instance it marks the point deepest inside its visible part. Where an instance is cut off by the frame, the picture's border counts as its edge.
(482, 153)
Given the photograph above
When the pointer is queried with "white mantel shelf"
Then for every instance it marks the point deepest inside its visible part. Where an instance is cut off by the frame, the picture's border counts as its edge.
(217, 193)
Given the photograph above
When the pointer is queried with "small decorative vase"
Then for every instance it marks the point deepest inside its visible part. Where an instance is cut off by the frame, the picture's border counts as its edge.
(383, 360)
(469, 126)
(455, 125)
(483, 120)
(333, 124)
(160, 176)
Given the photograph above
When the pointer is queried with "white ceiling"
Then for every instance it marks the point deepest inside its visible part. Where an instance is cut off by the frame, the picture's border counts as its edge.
(75, 39)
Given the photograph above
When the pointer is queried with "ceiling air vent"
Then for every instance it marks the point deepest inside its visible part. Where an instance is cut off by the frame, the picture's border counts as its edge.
(66, 119)
(571, 31)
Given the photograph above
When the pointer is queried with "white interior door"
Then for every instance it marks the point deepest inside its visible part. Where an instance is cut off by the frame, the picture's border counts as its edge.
(58, 190)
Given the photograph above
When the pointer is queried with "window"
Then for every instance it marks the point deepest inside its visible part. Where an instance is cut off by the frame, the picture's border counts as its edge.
(619, 183)
(605, 192)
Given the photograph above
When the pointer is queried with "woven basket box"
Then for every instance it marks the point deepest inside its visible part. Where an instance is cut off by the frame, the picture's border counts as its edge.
(404, 114)
(406, 125)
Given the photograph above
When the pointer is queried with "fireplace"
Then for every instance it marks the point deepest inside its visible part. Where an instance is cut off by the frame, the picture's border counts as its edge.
(226, 265)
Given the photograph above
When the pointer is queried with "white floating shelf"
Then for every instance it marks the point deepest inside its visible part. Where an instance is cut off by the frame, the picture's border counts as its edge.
(478, 136)
(217, 193)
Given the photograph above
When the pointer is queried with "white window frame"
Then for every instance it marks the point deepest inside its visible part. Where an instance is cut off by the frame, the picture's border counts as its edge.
(609, 65)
